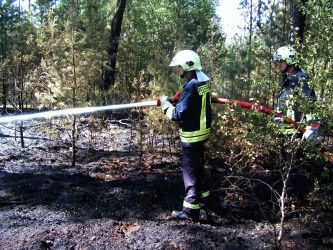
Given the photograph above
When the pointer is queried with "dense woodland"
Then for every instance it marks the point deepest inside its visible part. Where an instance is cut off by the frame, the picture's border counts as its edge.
(60, 54)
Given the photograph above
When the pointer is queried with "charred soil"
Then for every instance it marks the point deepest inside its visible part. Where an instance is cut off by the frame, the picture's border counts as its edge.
(115, 197)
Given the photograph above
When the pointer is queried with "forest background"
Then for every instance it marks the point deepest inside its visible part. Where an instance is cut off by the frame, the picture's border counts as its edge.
(60, 54)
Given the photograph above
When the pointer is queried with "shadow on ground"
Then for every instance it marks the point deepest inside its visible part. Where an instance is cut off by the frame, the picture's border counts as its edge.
(134, 194)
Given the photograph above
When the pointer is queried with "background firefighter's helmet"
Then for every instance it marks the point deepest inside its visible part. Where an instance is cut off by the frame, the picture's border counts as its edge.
(188, 59)
(285, 53)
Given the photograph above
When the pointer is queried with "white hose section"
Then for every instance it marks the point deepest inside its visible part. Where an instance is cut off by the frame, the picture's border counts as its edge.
(74, 111)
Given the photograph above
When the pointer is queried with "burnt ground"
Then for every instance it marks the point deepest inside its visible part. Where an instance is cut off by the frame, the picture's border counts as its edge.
(115, 197)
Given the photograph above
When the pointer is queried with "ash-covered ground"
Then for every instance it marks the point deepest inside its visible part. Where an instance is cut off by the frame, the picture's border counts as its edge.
(115, 197)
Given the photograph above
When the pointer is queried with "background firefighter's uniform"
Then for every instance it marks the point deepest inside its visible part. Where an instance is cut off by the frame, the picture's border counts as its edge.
(296, 84)
(292, 85)
(194, 115)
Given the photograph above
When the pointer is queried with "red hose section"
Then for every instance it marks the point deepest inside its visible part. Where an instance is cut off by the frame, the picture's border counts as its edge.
(263, 109)
(267, 110)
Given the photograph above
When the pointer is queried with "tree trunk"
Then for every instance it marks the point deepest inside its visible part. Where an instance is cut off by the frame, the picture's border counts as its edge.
(20, 104)
(4, 57)
(109, 74)
(4, 91)
(298, 19)
(270, 71)
(74, 89)
(21, 75)
(249, 58)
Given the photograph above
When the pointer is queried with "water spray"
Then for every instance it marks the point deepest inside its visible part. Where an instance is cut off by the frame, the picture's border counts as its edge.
(74, 111)
(77, 111)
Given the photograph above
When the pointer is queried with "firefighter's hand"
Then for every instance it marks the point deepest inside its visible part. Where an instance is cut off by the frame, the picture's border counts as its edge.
(310, 133)
(165, 103)
(278, 120)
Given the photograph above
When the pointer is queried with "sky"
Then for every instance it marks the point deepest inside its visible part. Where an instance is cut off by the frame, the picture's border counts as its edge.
(230, 17)
(227, 11)
(24, 3)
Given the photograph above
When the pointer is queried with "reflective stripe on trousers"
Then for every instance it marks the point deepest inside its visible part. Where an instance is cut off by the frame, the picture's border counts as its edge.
(188, 205)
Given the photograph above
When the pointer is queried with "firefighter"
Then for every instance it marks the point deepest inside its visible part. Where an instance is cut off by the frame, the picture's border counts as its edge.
(193, 113)
(295, 100)
(294, 82)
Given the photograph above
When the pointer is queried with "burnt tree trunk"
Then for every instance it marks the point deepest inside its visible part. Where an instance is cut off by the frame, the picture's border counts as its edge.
(298, 18)
(110, 72)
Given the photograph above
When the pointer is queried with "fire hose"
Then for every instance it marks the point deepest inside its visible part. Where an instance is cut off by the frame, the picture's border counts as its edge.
(174, 99)
(263, 109)
(267, 110)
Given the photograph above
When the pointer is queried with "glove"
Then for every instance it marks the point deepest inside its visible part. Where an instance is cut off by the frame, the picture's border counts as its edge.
(165, 103)
(278, 120)
(310, 133)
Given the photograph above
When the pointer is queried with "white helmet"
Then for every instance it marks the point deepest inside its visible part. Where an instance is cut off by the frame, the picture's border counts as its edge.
(188, 59)
(285, 53)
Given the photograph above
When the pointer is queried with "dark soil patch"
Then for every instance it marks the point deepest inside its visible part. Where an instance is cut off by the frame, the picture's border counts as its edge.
(114, 199)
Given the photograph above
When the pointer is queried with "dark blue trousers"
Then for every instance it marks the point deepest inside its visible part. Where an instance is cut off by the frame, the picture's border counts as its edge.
(194, 176)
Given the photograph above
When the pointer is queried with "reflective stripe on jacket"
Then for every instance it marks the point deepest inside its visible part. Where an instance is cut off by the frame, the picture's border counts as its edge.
(193, 112)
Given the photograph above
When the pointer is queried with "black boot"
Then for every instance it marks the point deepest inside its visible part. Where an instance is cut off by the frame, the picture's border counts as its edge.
(186, 215)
